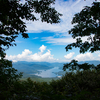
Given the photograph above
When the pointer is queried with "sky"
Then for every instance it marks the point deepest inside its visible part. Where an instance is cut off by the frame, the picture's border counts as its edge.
(47, 42)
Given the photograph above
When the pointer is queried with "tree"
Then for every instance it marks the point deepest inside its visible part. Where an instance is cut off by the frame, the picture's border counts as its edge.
(73, 65)
(12, 13)
(87, 23)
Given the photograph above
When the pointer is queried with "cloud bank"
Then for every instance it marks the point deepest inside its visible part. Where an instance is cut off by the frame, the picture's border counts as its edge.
(27, 55)
(69, 56)
(42, 56)
(83, 57)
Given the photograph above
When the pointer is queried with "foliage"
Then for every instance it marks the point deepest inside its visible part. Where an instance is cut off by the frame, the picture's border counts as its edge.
(11, 18)
(8, 75)
(87, 23)
(39, 79)
(13, 15)
(73, 65)
(84, 85)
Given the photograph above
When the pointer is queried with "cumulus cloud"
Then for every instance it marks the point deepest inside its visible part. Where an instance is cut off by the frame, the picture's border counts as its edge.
(88, 56)
(20, 57)
(42, 48)
(85, 57)
(28, 56)
(69, 56)
(42, 57)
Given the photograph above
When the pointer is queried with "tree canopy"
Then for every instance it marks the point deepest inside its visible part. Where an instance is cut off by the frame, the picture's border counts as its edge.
(12, 16)
(87, 23)
(12, 13)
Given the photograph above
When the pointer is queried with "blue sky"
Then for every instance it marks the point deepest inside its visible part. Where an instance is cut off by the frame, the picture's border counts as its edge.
(47, 42)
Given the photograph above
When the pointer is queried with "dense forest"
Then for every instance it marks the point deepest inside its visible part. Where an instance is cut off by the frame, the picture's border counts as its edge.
(82, 85)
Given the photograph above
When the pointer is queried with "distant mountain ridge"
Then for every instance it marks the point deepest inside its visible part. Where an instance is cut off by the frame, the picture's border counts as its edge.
(95, 62)
(46, 65)
(39, 65)
(35, 67)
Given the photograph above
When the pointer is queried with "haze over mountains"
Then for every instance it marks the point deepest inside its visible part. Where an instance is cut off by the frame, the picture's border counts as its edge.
(34, 67)
(23, 65)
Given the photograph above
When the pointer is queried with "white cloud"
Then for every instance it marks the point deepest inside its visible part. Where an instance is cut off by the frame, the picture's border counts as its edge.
(67, 8)
(97, 55)
(43, 57)
(20, 57)
(28, 56)
(59, 41)
(62, 40)
(69, 56)
(42, 48)
(88, 56)
(85, 57)
(24, 53)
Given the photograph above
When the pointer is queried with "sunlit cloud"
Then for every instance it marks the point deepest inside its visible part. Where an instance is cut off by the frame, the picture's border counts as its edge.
(69, 56)
(42, 48)
(85, 57)
(67, 8)
(27, 55)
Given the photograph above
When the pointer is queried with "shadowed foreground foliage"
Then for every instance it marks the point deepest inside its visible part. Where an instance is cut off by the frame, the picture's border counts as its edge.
(86, 23)
(82, 85)
(13, 17)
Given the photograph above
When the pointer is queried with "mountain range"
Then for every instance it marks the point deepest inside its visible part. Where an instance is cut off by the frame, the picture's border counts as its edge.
(35, 67)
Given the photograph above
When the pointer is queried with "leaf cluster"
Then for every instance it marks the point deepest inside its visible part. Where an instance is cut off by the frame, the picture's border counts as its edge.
(12, 16)
(86, 23)
(84, 85)
(8, 75)
(74, 65)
